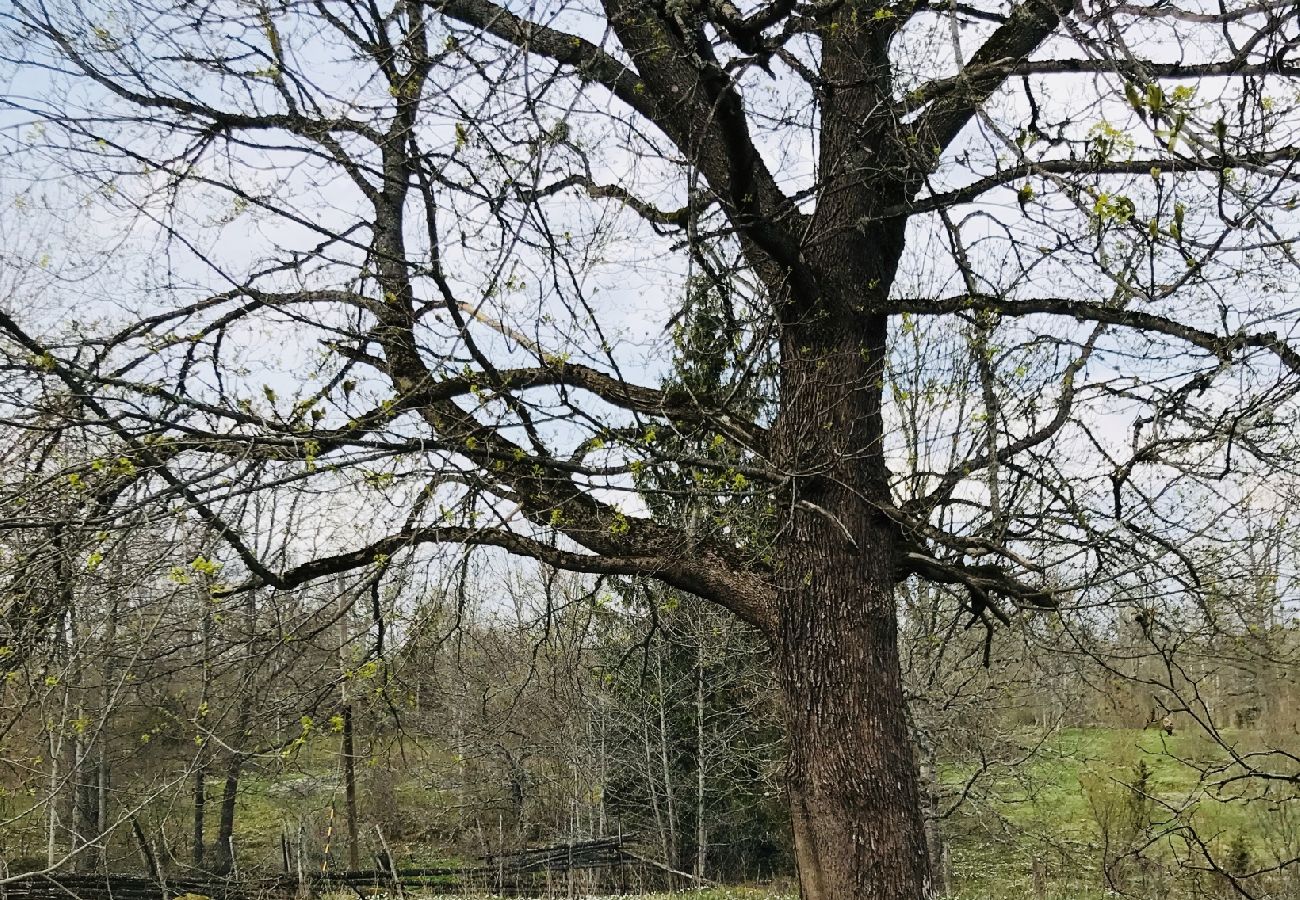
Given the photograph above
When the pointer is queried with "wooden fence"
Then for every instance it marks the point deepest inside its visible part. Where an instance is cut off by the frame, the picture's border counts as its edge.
(560, 870)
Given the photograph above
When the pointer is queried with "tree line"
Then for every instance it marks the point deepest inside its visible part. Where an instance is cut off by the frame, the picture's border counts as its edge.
(498, 706)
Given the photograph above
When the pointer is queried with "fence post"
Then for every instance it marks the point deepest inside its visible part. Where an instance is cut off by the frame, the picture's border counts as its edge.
(390, 864)
(304, 890)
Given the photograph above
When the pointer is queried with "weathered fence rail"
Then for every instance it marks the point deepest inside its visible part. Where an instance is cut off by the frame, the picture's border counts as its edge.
(561, 869)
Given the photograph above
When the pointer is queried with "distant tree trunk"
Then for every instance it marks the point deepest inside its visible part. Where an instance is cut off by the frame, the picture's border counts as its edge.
(71, 800)
(100, 800)
(80, 784)
(52, 806)
(223, 855)
(517, 778)
(584, 769)
(108, 673)
(654, 791)
(462, 773)
(85, 796)
(670, 806)
(223, 852)
(934, 841)
(701, 836)
(63, 773)
(603, 768)
(146, 850)
(348, 748)
(350, 789)
(200, 793)
(200, 809)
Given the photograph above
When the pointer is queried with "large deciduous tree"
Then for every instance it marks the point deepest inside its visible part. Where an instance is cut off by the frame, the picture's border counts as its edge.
(418, 263)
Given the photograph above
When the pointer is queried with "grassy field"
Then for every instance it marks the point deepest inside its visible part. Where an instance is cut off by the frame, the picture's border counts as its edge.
(1126, 800)
(1052, 826)
(1047, 827)
(726, 893)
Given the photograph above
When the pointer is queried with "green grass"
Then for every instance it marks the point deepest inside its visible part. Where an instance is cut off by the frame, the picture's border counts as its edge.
(1037, 829)
(1048, 827)
(720, 893)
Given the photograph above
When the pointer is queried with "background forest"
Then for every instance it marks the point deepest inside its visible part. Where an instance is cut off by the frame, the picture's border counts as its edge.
(501, 705)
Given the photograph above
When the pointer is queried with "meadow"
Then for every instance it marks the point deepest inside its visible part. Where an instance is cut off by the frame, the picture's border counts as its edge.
(1082, 814)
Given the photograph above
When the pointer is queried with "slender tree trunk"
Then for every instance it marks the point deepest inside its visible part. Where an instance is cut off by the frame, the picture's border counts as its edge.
(108, 673)
(348, 747)
(72, 783)
(99, 857)
(604, 771)
(52, 806)
(701, 835)
(927, 776)
(575, 804)
(200, 792)
(851, 778)
(200, 810)
(584, 774)
(350, 789)
(57, 728)
(74, 724)
(84, 791)
(223, 854)
(462, 776)
(670, 806)
(654, 793)
(146, 849)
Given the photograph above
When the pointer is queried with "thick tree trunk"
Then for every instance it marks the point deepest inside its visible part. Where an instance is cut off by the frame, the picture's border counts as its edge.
(856, 807)
(851, 778)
